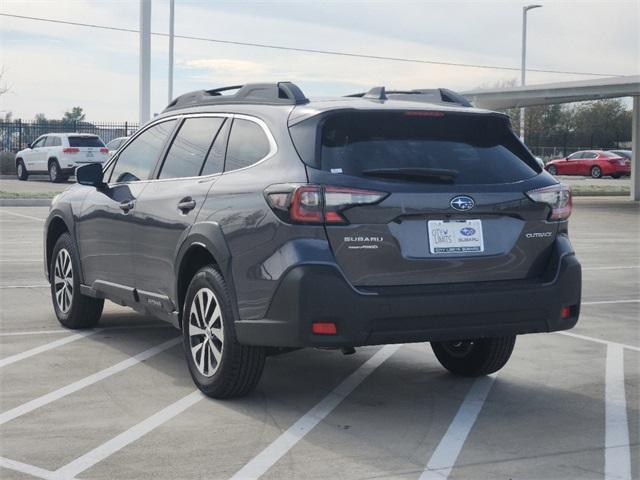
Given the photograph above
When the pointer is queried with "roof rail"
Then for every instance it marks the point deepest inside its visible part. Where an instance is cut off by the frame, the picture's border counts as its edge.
(428, 95)
(281, 93)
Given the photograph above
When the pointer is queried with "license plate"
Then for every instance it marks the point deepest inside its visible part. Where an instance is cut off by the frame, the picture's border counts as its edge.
(89, 154)
(455, 236)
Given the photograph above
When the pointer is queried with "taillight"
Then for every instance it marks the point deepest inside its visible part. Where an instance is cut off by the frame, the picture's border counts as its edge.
(558, 197)
(104, 150)
(317, 204)
(70, 150)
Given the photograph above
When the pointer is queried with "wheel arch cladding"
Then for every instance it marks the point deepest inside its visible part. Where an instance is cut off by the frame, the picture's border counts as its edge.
(204, 245)
(55, 228)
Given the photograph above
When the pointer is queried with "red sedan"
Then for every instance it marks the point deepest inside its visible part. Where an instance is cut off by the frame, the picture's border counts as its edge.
(596, 163)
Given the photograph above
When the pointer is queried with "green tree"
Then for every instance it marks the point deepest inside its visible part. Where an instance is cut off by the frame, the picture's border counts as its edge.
(40, 118)
(74, 115)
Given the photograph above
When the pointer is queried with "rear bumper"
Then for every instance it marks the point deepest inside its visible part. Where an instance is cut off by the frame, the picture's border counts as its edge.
(320, 293)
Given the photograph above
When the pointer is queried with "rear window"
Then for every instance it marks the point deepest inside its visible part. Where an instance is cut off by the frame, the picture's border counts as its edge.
(481, 149)
(85, 142)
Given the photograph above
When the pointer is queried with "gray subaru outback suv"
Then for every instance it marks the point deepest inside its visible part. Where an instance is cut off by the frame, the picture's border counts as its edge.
(261, 221)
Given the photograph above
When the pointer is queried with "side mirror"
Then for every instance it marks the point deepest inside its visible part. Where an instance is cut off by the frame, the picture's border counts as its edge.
(90, 174)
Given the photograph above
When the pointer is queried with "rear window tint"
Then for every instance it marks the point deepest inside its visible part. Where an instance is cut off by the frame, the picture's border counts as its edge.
(482, 149)
(85, 142)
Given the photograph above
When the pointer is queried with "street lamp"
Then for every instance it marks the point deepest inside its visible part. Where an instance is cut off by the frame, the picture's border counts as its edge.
(172, 8)
(525, 9)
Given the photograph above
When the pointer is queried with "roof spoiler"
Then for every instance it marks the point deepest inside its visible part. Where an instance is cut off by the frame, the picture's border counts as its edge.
(427, 95)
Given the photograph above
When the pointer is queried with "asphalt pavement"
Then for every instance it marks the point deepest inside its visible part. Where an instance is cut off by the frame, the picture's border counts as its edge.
(118, 403)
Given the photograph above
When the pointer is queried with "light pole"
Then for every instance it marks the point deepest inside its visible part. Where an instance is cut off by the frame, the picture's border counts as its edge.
(171, 22)
(144, 88)
(523, 67)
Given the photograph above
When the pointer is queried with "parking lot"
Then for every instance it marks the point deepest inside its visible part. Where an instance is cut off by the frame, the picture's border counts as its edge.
(117, 402)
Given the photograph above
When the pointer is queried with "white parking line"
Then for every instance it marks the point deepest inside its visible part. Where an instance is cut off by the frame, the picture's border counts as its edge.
(117, 443)
(22, 215)
(28, 469)
(599, 340)
(618, 267)
(617, 456)
(606, 302)
(446, 453)
(84, 382)
(281, 445)
(44, 348)
(40, 285)
(60, 330)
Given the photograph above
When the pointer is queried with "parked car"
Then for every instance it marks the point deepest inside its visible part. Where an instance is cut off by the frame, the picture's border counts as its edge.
(622, 153)
(115, 144)
(262, 221)
(58, 154)
(596, 163)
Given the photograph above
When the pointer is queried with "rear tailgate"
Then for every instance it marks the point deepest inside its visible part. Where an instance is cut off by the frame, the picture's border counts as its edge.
(478, 226)
(87, 149)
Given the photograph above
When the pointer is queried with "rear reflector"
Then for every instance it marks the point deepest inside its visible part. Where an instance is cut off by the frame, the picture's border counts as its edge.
(324, 328)
(558, 197)
(565, 312)
(70, 150)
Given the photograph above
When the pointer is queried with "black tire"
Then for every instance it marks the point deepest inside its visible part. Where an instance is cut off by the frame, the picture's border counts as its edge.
(552, 170)
(596, 172)
(21, 170)
(239, 368)
(55, 174)
(474, 358)
(616, 175)
(76, 310)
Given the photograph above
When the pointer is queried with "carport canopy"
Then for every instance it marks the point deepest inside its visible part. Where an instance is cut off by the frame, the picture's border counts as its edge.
(568, 92)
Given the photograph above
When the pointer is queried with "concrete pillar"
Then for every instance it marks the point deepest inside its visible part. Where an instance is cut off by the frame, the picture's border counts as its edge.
(635, 148)
(144, 74)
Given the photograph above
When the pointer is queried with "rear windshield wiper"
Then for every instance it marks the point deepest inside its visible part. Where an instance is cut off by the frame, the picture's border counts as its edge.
(416, 174)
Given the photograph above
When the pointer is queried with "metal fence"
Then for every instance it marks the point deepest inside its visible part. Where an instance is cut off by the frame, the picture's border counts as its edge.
(16, 135)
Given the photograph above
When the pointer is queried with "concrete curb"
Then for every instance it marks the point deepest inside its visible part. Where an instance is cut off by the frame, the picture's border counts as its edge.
(25, 202)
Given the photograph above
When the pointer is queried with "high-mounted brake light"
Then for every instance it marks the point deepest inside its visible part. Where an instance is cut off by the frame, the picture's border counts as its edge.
(317, 204)
(558, 197)
(70, 150)
(423, 113)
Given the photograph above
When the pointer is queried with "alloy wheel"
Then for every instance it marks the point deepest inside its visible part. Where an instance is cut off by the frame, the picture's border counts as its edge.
(63, 280)
(458, 348)
(53, 171)
(206, 335)
(20, 168)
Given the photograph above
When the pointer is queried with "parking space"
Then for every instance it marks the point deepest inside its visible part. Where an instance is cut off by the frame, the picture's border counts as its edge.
(118, 402)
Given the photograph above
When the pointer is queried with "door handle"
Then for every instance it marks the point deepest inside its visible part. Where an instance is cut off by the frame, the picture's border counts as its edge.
(186, 204)
(126, 206)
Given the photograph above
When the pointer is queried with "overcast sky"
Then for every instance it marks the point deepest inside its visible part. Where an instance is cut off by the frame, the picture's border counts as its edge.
(51, 68)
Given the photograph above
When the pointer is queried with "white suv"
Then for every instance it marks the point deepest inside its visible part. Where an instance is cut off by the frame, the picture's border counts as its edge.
(58, 154)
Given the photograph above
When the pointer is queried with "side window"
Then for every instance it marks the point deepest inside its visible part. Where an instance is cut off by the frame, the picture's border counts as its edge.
(57, 142)
(49, 142)
(190, 147)
(215, 159)
(247, 144)
(39, 143)
(575, 156)
(136, 162)
(590, 155)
